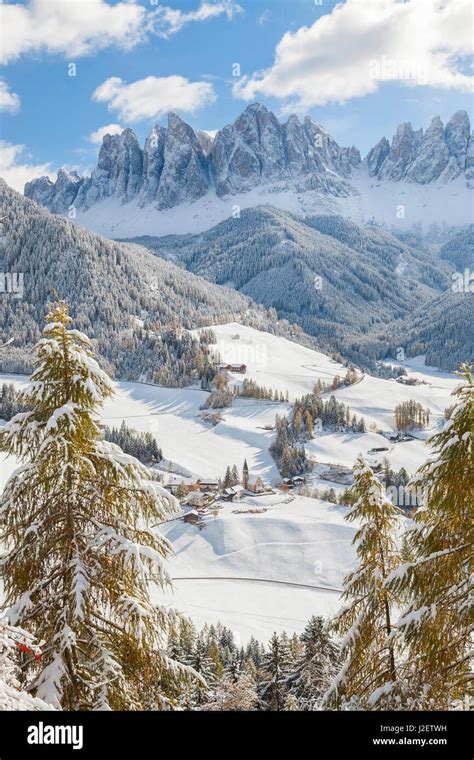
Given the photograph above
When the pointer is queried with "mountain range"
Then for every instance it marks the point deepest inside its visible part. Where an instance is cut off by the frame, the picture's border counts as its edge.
(354, 288)
(354, 291)
(297, 162)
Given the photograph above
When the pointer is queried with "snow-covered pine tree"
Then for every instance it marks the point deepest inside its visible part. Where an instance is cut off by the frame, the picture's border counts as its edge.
(228, 477)
(235, 664)
(234, 695)
(315, 668)
(437, 623)
(365, 622)
(182, 639)
(81, 554)
(200, 661)
(14, 643)
(255, 652)
(275, 670)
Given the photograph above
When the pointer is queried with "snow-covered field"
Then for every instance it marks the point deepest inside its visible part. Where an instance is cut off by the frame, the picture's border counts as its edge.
(173, 416)
(273, 362)
(300, 541)
(375, 400)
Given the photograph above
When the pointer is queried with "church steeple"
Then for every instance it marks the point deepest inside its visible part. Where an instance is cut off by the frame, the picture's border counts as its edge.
(245, 474)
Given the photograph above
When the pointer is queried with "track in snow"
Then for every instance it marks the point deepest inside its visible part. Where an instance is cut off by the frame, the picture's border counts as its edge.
(257, 580)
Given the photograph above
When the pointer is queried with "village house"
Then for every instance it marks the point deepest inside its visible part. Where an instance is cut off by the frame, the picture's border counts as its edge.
(233, 493)
(173, 485)
(191, 517)
(207, 484)
(197, 499)
(294, 482)
(241, 368)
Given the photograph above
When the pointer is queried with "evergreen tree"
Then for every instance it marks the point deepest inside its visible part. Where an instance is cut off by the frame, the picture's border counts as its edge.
(411, 414)
(234, 665)
(217, 666)
(297, 421)
(315, 668)
(275, 670)
(80, 551)
(10, 401)
(142, 446)
(366, 620)
(296, 648)
(182, 640)
(437, 622)
(226, 642)
(181, 490)
(254, 652)
(238, 695)
(201, 663)
(227, 477)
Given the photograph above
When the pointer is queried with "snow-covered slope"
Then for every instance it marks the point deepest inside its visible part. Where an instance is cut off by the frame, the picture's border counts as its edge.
(173, 416)
(124, 297)
(290, 560)
(273, 569)
(434, 203)
(360, 290)
(272, 361)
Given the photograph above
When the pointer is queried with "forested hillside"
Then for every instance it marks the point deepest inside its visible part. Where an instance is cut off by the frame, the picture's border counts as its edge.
(130, 302)
(354, 288)
(443, 330)
(459, 250)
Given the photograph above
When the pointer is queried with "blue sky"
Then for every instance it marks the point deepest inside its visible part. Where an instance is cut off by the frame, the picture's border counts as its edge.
(359, 69)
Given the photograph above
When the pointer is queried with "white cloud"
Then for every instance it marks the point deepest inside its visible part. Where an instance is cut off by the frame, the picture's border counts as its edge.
(347, 53)
(81, 27)
(165, 21)
(109, 129)
(9, 101)
(15, 173)
(69, 27)
(153, 96)
(264, 17)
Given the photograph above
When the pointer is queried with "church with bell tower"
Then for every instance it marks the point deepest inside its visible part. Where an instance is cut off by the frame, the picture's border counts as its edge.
(245, 475)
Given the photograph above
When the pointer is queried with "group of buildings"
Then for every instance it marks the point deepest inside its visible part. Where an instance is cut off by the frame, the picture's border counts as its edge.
(205, 491)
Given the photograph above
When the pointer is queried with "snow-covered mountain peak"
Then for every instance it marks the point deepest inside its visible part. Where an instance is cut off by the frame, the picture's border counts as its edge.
(420, 157)
(179, 164)
(296, 165)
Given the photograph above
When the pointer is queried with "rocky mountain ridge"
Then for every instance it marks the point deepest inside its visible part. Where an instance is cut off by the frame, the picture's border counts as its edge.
(180, 165)
(440, 153)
